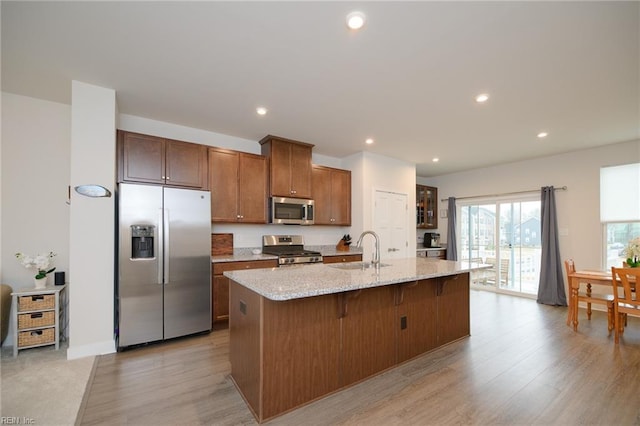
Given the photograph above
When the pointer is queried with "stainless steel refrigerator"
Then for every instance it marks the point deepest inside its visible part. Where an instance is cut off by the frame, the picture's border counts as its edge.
(164, 263)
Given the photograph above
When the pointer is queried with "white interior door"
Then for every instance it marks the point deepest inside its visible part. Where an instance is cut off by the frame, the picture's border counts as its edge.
(390, 222)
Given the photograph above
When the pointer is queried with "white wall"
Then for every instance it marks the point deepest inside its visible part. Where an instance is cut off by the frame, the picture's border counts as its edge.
(35, 178)
(581, 236)
(92, 222)
(372, 172)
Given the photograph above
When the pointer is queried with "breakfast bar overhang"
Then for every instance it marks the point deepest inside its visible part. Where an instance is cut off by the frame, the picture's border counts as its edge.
(300, 333)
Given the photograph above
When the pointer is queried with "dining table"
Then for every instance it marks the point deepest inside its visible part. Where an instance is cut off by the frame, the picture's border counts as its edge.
(590, 277)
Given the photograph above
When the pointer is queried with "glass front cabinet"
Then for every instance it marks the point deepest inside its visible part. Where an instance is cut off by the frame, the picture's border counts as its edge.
(426, 207)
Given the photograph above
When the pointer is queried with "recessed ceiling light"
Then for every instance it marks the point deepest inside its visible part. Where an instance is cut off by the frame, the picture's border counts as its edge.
(355, 20)
(482, 98)
(435, 159)
(542, 135)
(369, 141)
(261, 110)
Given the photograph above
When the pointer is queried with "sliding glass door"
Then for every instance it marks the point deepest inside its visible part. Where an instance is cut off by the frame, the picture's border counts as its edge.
(506, 235)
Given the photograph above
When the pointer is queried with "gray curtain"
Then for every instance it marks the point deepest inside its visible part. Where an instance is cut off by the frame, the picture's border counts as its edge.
(452, 247)
(551, 285)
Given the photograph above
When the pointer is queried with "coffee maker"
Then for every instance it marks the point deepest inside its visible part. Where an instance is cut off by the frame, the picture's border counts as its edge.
(431, 240)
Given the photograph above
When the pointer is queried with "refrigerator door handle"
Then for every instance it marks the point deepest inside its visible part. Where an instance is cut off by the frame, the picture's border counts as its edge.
(160, 244)
(167, 253)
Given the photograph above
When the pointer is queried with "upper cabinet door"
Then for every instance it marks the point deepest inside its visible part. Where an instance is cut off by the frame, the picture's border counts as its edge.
(186, 164)
(151, 159)
(252, 197)
(141, 158)
(341, 197)
(238, 184)
(332, 196)
(223, 184)
(322, 207)
(426, 207)
(300, 171)
(290, 166)
(280, 155)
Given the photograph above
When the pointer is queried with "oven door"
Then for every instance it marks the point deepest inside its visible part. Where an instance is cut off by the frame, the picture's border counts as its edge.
(291, 211)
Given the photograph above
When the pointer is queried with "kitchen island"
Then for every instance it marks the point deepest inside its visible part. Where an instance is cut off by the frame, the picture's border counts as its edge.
(299, 333)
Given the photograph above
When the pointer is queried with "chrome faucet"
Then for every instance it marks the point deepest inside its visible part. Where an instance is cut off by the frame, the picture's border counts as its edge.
(376, 255)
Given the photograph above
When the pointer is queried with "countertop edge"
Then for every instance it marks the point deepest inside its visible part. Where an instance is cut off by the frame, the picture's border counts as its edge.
(290, 283)
(246, 254)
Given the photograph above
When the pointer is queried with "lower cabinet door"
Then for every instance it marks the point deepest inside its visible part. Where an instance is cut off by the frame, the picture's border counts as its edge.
(453, 308)
(300, 350)
(416, 320)
(369, 332)
(220, 299)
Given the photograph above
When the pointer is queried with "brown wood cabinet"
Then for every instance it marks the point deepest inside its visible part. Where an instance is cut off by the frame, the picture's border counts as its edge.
(368, 333)
(426, 207)
(331, 192)
(220, 285)
(287, 353)
(290, 166)
(238, 184)
(342, 258)
(416, 318)
(151, 159)
(453, 322)
(309, 330)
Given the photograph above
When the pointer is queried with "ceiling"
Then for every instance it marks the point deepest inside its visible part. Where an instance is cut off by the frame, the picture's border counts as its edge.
(407, 79)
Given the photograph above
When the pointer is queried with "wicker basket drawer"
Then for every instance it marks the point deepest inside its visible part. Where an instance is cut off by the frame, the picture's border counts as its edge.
(36, 319)
(36, 302)
(36, 337)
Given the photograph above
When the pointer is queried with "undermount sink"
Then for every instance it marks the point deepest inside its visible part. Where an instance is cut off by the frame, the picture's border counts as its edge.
(356, 265)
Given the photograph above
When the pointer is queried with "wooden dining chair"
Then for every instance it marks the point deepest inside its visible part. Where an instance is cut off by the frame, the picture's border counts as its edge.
(625, 301)
(588, 297)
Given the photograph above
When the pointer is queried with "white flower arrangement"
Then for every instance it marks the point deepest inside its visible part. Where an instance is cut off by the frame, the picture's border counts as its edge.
(632, 252)
(39, 262)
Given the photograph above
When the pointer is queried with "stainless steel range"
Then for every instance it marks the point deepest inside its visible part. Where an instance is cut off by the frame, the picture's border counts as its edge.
(289, 249)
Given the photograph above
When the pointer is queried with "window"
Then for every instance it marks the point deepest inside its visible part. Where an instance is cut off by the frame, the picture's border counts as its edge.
(617, 237)
(505, 234)
(619, 210)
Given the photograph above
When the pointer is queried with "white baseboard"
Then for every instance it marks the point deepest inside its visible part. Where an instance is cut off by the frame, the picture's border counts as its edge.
(100, 348)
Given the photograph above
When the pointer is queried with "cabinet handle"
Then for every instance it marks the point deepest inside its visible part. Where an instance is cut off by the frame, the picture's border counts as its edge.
(168, 178)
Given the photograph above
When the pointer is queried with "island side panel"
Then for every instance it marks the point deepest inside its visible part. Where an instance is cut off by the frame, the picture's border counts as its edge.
(244, 343)
(301, 352)
(368, 333)
(417, 318)
(453, 308)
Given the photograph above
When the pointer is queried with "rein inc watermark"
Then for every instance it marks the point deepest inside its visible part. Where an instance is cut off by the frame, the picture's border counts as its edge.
(16, 420)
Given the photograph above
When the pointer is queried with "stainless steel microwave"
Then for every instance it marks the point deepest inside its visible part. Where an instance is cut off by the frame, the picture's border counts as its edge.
(291, 211)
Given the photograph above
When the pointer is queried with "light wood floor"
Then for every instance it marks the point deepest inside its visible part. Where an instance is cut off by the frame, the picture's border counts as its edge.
(522, 365)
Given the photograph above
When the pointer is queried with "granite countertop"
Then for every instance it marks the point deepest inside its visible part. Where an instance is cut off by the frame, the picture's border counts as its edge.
(246, 254)
(294, 282)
